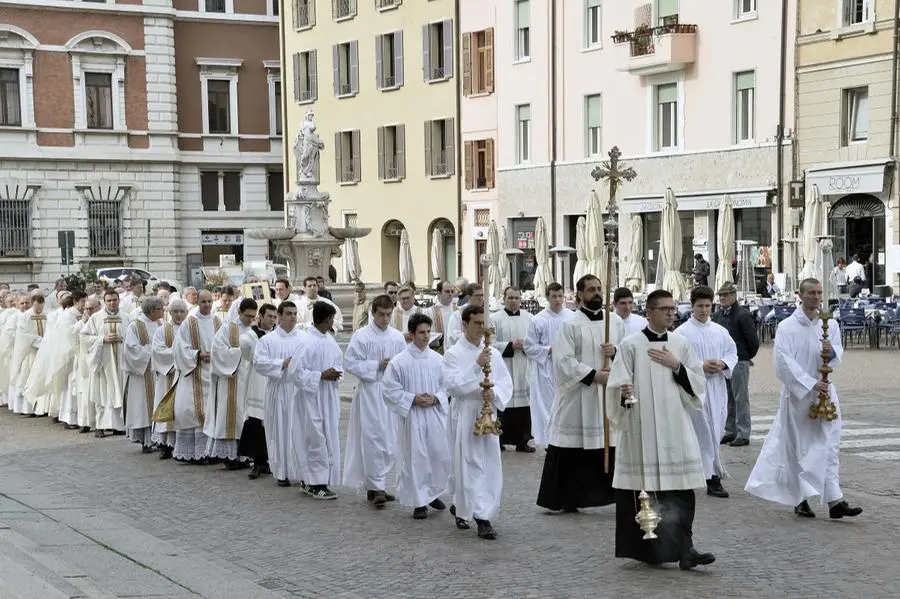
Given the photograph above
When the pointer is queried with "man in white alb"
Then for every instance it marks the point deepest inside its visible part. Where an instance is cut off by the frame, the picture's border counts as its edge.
(305, 306)
(474, 295)
(441, 313)
(405, 308)
(623, 303)
(102, 343)
(163, 360)
(140, 385)
(510, 326)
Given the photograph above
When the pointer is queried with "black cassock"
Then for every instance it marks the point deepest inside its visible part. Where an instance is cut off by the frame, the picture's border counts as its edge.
(253, 436)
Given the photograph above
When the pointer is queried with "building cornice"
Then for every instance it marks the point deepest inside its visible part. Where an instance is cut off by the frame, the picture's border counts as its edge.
(142, 11)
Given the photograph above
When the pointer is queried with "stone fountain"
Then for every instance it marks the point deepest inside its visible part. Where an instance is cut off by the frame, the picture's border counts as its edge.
(307, 243)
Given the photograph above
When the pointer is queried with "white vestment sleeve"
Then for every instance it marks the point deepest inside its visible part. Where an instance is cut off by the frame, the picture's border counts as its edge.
(305, 379)
(356, 363)
(569, 371)
(162, 356)
(264, 363)
(92, 344)
(621, 373)
(398, 399)
(461, 378)
(533, 347)
(503, 384)
(223, 358)
(795, 379)
(186, 357)
(137, 356)
(693, 367)
(730, 356)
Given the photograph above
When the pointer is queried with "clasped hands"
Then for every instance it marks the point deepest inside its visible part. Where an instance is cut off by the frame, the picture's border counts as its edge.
(425, 400)
(111, 338)
(713, 366)
(331, 374)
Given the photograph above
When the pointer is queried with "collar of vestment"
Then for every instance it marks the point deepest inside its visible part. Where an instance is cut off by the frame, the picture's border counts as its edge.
(508, 313)
(203, 316)
(592, 314)
(654, 336)
(805, 320)
(377, 329)
(472, 345)
(284, 333)
(108, 313)
(416, 352)
(699, 323)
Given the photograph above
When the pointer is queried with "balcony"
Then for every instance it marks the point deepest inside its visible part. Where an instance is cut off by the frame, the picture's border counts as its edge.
(664, 49)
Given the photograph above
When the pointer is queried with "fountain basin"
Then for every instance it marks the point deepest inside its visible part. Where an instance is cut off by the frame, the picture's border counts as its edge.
(274, 233)
(349, 232)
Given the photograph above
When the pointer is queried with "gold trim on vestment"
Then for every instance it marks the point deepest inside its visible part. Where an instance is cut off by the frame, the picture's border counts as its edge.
(149, 386)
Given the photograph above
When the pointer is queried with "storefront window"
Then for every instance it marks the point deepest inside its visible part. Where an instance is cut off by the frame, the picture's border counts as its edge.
(687, 241)
(651, 224)
(524, 265)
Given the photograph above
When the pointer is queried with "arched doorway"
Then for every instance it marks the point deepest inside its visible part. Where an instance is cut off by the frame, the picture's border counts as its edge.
(448, 249)
(390, 250)
(857, 223)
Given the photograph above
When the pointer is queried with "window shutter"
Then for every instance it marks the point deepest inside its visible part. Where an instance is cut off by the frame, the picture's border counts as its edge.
(469, 159)
(489, 162)
(311, 72)
(381, 155)
(594, 113)
(400, 151)
(398, 58)
(667, 93)
(354, 146)
(336, 55)
(448, 47)
(335, 4)
(338, 153)
(426, 61)
(868, 10)
(311, 11)
(297, 87)
(450, 145)
(354, 67)
(379, 67)
(467, 63)
(489, 60)
(295, 13)
(429, 167)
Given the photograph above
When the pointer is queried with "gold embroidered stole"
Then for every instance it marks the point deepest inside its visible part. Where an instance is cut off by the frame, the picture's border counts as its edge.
(39, 323)
(234, 336)
(149, 385)
(194, 330)
(169, 336)
(113, 323)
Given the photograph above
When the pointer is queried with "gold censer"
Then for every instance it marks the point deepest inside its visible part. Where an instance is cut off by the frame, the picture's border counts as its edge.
(824, 408)
(485, 423)
(647, 518)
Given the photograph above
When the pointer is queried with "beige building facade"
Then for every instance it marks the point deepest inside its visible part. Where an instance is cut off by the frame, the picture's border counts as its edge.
(845, 136)
(381, 77)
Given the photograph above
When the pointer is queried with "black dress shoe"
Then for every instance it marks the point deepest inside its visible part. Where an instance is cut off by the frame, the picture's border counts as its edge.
(284, 482)
(438, 505)
(379, 499)
(804, 511)
(85, 429)
(714, 488)
(460, 523)
(843, 509)
(165, 453)
(485, 530)
(727, 439)
(694, 558)
(420, 513)
(526, 449)
(146, 449)
(254, 473)
(740, 443)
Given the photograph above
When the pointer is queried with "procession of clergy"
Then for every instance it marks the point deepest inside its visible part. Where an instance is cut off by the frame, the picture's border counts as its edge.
(621, 407)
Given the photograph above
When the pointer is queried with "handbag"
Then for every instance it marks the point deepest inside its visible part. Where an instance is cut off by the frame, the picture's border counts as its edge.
(165, 411)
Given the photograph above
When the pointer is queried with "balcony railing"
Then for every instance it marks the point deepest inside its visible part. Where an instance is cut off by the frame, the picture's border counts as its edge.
(643, 37)
(388, 81)
(306, 95)
(386, 3)
(348, 172)
(438, 73)
(652, 50)
(440, 163)
(346, 89)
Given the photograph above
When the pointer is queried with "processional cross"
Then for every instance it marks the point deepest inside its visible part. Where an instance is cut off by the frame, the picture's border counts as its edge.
(614, 173)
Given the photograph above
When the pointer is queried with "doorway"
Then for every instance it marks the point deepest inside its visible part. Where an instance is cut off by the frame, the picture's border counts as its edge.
(857, 223)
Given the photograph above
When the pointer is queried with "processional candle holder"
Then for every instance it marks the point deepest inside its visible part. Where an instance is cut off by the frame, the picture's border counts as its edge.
(113, 323)
(485, 424)
(647, 517)
(823, 408)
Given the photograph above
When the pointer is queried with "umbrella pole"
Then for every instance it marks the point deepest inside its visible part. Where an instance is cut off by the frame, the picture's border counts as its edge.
(606, 360)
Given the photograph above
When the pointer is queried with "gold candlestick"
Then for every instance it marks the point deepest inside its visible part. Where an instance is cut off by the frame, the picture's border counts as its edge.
(485, 423)
(824, 408)
(113, 322)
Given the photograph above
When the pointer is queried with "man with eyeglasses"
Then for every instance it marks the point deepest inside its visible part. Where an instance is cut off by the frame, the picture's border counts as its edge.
(392, 289)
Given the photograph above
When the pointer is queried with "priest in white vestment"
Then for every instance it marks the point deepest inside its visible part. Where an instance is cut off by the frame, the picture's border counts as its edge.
(104, 334)
(623, 304)
(42, 387)
(306, 303)
(414, 389)
(29, 336)
(163, 361)
(800, 458)
(510, 326)
(231, 360)
(10, 332)
(475, 294)
(63, 369)
(140, 384)
(538, 347)
(7, 309)
(316, 371)
(283, 293)
(476, 472)
(405, 307)
(575, 473)
(192, 359)
(87, 411)
(718, 353)
(657, 449)
(274, 353)
(372, 437)
(252, 444)
(441, 312)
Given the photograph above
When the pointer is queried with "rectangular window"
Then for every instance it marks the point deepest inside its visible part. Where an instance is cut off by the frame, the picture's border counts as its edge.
(523, 133)
(440, 135)
(855, 115)
(478, 62)
(745, 8)
(389, 60)
(98, 100)
(523, 29)
(592, 32)
(276, 7)
(276, 100)
(437, 50)
(346, 156)
(479, 157)
(215, 5)
(15, 225)
(392, 153)
(305, 77)
(667, 12)
(231, 191)
(104, 228)
(667, 116)
(10, 98)
(483, 217)
(275, 190)
(592, 123)
(745, 106)
(304, 13)
(343, 9)
(209, 191)
(384, 4)
(346, 69)
(858, 11)
(218, 97)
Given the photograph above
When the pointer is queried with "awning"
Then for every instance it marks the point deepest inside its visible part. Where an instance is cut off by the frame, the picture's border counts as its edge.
(866, 176)
(699, 201)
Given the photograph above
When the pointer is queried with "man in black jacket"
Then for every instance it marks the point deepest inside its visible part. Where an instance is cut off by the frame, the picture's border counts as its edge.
(740, 325)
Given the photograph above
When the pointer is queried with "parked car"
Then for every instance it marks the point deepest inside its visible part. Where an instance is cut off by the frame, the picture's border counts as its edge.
(119, 272)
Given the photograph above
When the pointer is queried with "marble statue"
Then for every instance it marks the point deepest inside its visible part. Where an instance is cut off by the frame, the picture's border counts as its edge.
(307, 146)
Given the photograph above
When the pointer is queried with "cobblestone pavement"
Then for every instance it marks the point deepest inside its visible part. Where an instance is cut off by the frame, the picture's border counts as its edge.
(96, 518)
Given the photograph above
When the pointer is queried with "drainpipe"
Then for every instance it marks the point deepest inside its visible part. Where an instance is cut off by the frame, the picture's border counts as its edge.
(554, 126)
(779, 137)
(459, 147)
(895, 175)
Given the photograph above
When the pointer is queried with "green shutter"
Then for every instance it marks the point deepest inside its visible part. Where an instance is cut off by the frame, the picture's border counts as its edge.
(593, 111)
(667, 93)
(746, 80)
(523, 14)
(667, 8)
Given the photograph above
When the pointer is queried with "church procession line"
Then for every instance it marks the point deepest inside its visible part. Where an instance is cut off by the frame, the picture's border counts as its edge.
(860, 439)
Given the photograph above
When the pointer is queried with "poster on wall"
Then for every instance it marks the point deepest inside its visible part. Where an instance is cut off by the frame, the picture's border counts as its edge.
(227, 260)
(525, 240)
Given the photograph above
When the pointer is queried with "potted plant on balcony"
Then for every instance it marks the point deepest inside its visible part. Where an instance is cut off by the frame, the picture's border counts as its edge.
(641, 40)
(685, 28)
(620, 37)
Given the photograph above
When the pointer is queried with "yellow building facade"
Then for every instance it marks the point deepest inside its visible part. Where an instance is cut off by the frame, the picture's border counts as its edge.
(381, 77)
(844, 132)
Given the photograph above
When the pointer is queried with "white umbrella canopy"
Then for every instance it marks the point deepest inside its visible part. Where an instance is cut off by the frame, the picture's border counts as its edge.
(543, 275)
(634, 278)
(505, 280)
(813, 228)
(670, 248)
(493, 284)
(437, 255)
(726, 244)
(351, 257)
(825, 271)
(407, 273)
(581, 257)
(596, 246)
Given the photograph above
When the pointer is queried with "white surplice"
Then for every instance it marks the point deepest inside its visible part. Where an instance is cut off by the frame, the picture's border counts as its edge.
(635, 323)
(454, 330)
(282, 433)
(423, 456)
(506, 330)
(163, 360)
(29, 337)
(400, 317)
(305, 313)
(317, 409)
(106, 363)
(38, 388)
(255, 399)
(140, 384)
(800, 458)
(576, 419)
(657, 447)
(8, 318)
(372, 438)
(231, 363)
(711, 342)
(476, 473)
(195, 335)
(542, 382)
(64, 368)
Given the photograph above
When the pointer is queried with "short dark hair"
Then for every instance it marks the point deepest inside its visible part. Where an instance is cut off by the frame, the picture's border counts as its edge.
(698, 256)
(110, 293)
(416, 319)
(321, 311)
(471, 288)
(308, 279)
(553, 287)
(510, 288)
(441, 285)
(382, 302)
(582, 282)
(284, 282)
(390, 284)
(284, 306)
(67, 302)
(622, 293)
(266, 308)
(656, 296)
(807, 283)
(228, 290)
(470, 311)
(406, 288)
(701, 292)
(37, 299)
(77, 296)
(248, 303)
(33, 286)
